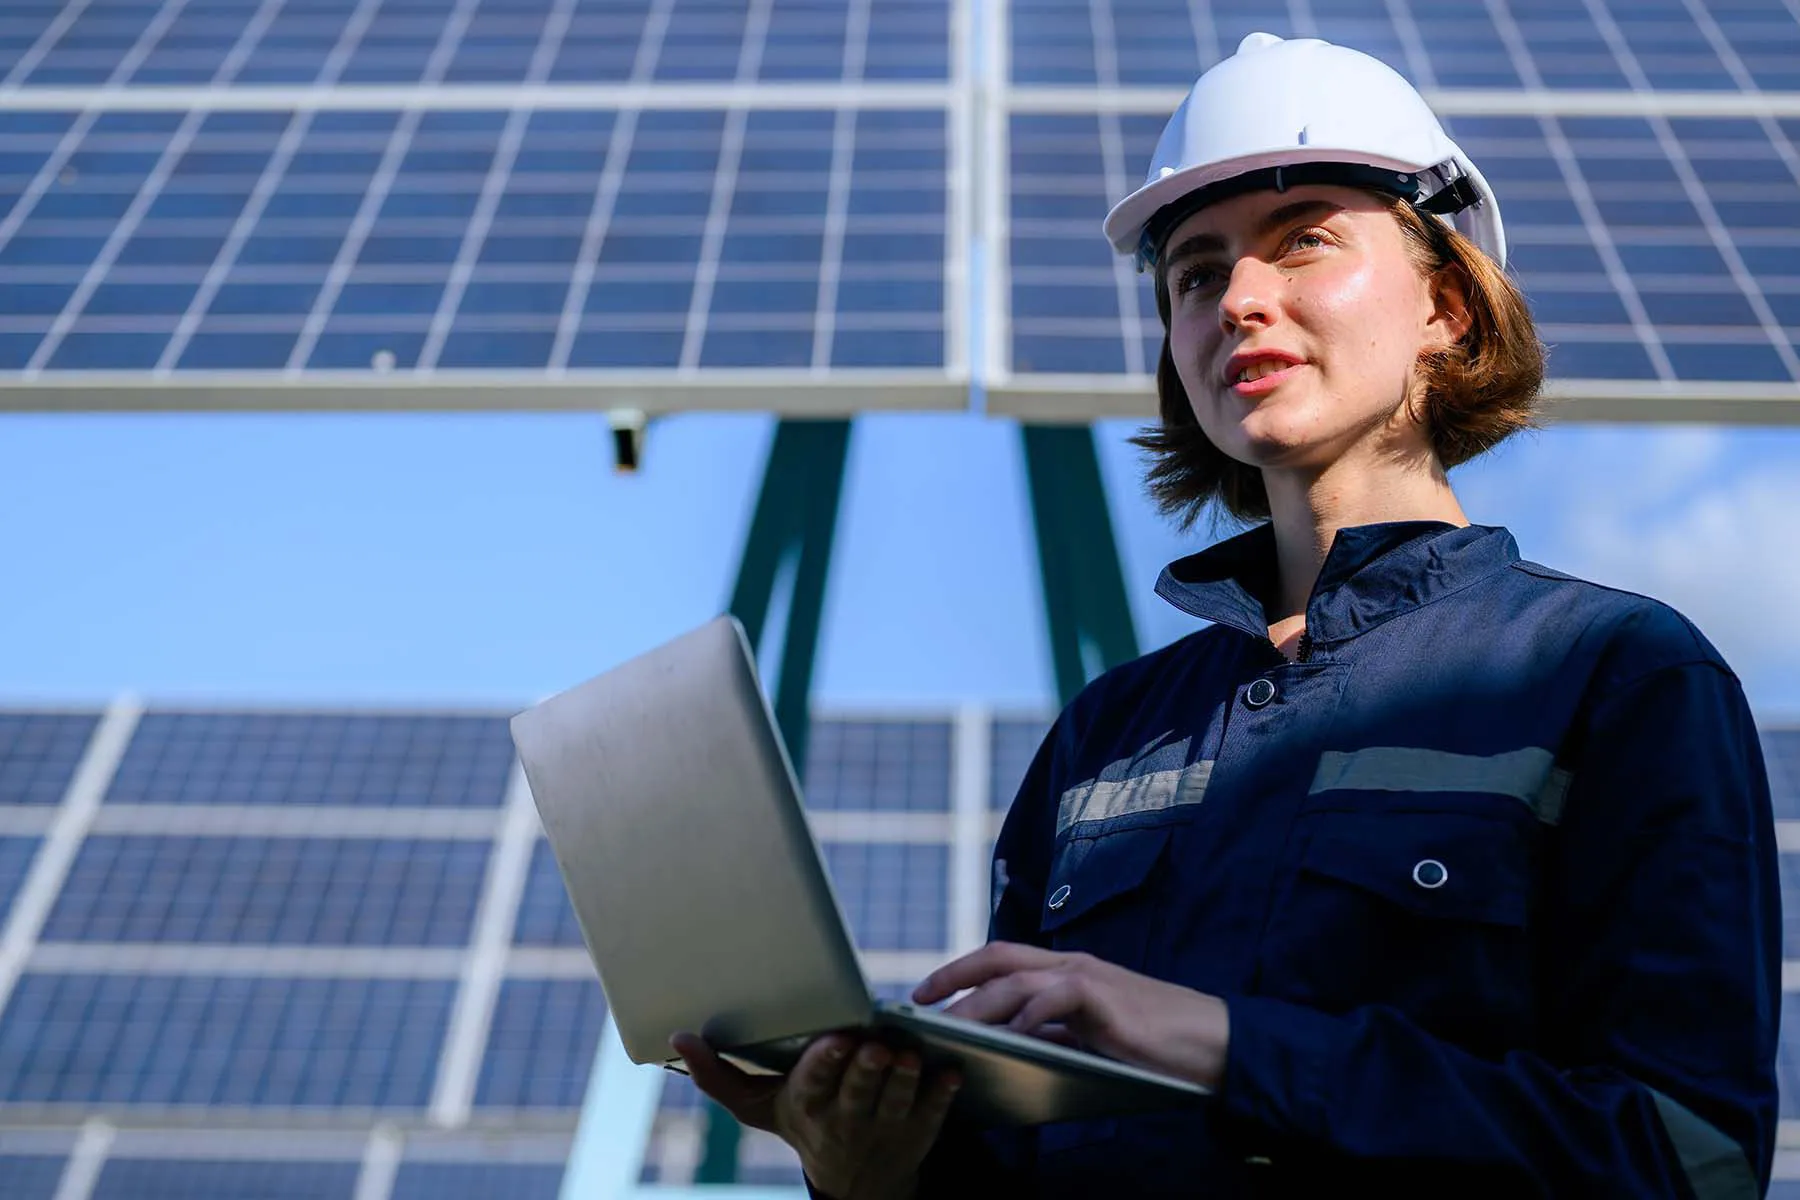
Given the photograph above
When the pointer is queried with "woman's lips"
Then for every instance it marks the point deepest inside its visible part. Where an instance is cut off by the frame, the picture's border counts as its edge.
(1252, 388)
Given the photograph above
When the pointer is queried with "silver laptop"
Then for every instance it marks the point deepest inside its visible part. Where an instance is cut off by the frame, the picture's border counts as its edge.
(677, 824)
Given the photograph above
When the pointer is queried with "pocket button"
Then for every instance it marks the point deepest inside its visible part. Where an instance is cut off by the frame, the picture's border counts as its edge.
(1260, 693)
(1430, 873)
(1059, 897)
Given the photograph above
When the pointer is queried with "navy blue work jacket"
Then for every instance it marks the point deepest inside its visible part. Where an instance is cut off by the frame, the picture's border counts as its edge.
(1488, 883)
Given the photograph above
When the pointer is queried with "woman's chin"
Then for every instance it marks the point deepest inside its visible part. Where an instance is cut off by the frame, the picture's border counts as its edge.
(1275, 444)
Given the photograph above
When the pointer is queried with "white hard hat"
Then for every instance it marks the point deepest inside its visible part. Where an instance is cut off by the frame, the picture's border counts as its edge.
(1281, 113)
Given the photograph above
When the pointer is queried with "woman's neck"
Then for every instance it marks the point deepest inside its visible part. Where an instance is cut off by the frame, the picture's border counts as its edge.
(1308, 508)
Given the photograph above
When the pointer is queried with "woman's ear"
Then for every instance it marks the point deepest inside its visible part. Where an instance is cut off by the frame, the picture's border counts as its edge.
(1450, 315)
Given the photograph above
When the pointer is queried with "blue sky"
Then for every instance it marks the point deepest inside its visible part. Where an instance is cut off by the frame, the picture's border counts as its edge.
(490, 559)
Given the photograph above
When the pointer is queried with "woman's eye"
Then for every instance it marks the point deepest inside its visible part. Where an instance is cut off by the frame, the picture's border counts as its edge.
(1307, 240)
(1195, 279)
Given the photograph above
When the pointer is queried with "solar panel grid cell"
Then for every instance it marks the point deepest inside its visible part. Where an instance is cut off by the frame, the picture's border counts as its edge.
(315, 758)
(31, 1176)
(292, 891)
(895, 895)
(221, 1042)
(1781, 755)
(498, 41)
(1015, 742)
(541, 1044)
(1787, 1059)
(477, 1181)
(1167, 42)
(39, 753)
(15, 860)
(546, 918)
(189, 1179)
(878, 766)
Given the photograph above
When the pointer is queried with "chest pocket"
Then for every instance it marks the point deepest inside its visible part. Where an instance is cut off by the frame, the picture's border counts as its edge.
(1097, 898)
(1426, 911)
(1433, 866)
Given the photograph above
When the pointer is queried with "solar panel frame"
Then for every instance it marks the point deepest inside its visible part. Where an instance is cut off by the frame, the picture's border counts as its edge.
(860, 352)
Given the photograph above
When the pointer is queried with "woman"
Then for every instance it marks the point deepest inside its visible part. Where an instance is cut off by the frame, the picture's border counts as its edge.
(1450, 873)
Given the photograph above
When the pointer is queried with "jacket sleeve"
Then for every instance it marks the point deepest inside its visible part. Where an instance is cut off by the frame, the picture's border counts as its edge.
(1661, 977)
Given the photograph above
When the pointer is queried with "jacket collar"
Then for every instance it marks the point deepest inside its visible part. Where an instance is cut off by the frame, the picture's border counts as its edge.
(1372, 574)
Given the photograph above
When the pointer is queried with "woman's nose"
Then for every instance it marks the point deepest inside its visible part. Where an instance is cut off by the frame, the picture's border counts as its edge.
(1249, 294)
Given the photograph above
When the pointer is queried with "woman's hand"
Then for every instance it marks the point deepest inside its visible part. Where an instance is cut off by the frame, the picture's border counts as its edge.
(1110, 1010)
(860, 1118)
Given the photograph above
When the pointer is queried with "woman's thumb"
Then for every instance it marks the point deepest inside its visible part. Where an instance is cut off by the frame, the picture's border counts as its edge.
(710, 1073)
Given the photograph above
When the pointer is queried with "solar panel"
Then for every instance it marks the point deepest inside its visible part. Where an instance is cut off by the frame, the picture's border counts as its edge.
(1790, 908)
(895, 894)
(16, 854)
(1168, 42)
(477, 1181)
(1015, 744)
(403, 244)
(31, 1176)
(1650, 251)
(546, 918)
(541, 1044)
(315, 758)
(1787, 1059)
(1781, 755)
(189, 1179)
(311, 891)
(498, 41)
(40, 751)
(221, 1042)
(879, 766)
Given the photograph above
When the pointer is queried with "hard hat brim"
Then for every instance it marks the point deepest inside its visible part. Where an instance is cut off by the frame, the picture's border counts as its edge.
(1125, 224)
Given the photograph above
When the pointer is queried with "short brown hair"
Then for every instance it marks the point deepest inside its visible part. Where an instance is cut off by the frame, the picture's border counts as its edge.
(1477, 393)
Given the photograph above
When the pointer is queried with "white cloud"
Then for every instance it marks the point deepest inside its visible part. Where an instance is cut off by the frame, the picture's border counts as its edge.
(1728, 556)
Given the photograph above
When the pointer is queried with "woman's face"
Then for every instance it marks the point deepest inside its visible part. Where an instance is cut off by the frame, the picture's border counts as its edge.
(1296, 320)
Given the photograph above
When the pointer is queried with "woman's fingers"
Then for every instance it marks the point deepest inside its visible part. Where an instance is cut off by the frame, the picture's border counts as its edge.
(820, 1069)
(1057, 1001)
(862, 1081)
(977, 967)
(996, 1002)
(900, 1091)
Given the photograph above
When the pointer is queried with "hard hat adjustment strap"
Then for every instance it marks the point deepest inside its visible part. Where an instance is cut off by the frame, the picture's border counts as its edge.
(1452, 198)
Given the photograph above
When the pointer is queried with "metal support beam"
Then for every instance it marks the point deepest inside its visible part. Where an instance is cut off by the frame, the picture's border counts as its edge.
(795, 521)
(1084, 591)
(789, 543)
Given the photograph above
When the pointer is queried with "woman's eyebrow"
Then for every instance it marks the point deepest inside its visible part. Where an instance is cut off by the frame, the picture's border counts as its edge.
(1211, 243)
